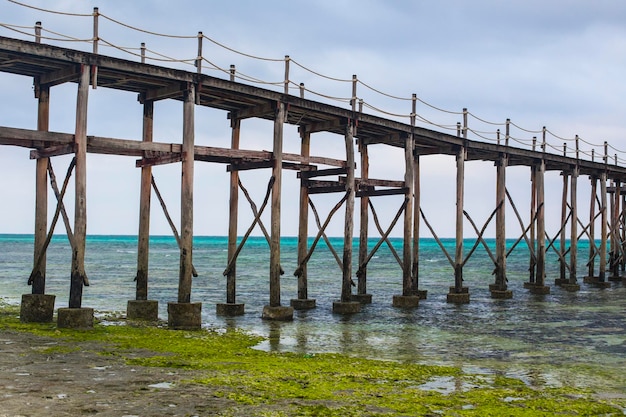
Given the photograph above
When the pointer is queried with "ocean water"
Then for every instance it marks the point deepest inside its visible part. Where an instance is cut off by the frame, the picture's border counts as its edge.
(561, 339)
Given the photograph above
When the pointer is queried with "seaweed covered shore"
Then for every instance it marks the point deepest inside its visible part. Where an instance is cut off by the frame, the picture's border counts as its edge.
(124, 368)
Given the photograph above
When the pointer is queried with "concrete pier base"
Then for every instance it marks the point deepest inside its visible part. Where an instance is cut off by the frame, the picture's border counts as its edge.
(529, 285)
(462, 297)
(615, 278)
(142, 310)
(303, 303)
(501, 294)
(560, 281)
(75, 318)
(406, 301)
(230, 309)
(422, 294)
(278, 313)
(595, 282)
(37, 308)
(346, 307)
(184, 316)
(539, 289)
(571, 287)
(362, 298)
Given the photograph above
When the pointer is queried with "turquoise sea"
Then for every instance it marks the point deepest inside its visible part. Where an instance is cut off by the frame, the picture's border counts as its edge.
(561, 339)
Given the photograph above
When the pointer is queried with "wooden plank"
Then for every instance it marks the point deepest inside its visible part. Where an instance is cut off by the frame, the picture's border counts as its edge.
(254, 111)
(174, 90)
(370, 182)
(245, 166)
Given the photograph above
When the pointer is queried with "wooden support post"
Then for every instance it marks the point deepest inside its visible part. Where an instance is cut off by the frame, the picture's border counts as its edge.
(409, 297)
(615, 234)
(571, 284)
(533, 224)
(303, 302)
(499, 290)
(231, 307)
(143, 242)
(540, 273)
(459, 293)
(80, 206)
(603, 228)
(41, 196)
(186, 203)
(416, 230)
(141, 308)
(592, 225)
(562, 246)
(274, 311)
(184, 314)
(362, 295)
(345, 305)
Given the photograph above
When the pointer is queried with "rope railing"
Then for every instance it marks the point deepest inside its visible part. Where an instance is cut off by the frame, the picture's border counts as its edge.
(289, 85)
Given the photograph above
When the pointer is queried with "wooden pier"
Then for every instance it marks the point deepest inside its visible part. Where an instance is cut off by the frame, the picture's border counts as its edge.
(49, 66)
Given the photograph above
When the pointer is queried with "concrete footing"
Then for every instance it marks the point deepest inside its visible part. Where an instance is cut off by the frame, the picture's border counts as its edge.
(529, 285)
(501, 294)
(230, 309)
(422, 294)
(462, 297)
(595, 282)
(302, 303)
(37, 308)
(560, 281)
(571, 287)
(75, 318)
(362, 298)
(278, 313)
(406, 301)
(142, 310)
(615, 278)
(346, 307)
(539, 289)
(184, 316)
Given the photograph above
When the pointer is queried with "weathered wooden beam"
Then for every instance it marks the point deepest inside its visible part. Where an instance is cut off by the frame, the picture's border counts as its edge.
(160, 160)
(69, 73)
(322, 173)
(303, 220)
(262, 110)
(55, 150)
(78, 274)
(369, 192)
(174, 90)
(274, 275)
(233, 217)
(370, 182)
(249, 165)
(364, 222)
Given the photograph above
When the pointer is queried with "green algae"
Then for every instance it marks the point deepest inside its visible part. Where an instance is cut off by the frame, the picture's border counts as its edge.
(315, 384)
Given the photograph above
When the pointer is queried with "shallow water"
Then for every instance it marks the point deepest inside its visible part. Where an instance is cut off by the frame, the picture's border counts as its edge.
(562, 339)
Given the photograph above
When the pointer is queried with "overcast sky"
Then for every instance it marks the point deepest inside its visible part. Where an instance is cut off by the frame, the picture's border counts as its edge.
(539, 63)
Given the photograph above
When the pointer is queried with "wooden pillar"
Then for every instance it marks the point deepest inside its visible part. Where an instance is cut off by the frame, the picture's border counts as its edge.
(407, 253)
(603, 228)
(231, 307)
(540, 275)
(231, 277)
(303, 302)
(458, 293)
(364, 220)
(500, 288)
(533, 224)
(143, 242)
(562, 268)
(41, 195)
(416, 229)
(615, 233)
(186, 203)
(274, 311)
(572, 282)
(346, 287)
(78, 275)
(592, 224)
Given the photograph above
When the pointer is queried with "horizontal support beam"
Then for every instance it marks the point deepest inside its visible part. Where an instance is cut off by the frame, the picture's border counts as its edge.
(55, 150)
(67, 74)
(377, 193)
(370, 182)
(322, 173)
(160, 160)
